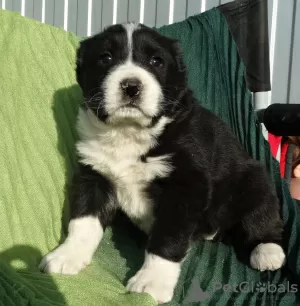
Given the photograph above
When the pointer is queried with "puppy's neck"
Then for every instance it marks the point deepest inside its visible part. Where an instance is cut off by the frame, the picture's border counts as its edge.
(90, 126)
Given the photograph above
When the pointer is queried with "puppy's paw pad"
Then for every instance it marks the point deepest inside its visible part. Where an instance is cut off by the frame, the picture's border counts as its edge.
(160, 288)
(64, 260)
(267, 256)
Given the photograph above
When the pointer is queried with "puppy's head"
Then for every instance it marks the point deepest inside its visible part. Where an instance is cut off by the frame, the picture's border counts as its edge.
(131, 74)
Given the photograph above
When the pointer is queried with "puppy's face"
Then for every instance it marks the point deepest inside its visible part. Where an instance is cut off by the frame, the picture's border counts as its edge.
(130, 73)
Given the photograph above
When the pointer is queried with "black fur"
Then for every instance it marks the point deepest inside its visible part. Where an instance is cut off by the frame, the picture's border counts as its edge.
(90, 189)
(215, 185)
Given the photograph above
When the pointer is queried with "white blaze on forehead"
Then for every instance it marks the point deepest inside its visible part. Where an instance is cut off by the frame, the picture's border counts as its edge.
(130, 28)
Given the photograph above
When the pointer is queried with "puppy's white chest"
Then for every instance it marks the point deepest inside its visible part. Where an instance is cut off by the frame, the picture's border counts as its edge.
(116, 155)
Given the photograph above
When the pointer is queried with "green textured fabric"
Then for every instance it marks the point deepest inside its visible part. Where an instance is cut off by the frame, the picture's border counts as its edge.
(39, 103)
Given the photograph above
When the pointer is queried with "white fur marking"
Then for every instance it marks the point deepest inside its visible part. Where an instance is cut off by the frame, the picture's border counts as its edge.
(267, 256)
(157, 277)
(130, 28)
(115, 152)
(77, 250)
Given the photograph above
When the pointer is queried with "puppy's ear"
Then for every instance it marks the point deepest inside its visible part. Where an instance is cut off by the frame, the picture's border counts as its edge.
(178, 55)
(79, 64)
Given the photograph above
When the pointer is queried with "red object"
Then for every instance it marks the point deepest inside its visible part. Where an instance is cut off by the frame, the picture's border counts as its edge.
(284, 148)
(275, 142)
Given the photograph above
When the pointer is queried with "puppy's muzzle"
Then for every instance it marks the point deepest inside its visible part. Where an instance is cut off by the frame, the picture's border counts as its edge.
(131, 87)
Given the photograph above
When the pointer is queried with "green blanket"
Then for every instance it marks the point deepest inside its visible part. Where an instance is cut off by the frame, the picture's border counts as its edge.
(39, 102)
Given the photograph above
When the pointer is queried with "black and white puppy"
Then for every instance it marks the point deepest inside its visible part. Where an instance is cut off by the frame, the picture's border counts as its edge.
(148, 148)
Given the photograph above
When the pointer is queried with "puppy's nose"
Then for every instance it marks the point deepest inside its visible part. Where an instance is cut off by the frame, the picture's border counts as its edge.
(131, 87)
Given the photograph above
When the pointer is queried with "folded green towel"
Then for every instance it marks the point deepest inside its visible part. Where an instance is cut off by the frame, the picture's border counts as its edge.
(39, 103)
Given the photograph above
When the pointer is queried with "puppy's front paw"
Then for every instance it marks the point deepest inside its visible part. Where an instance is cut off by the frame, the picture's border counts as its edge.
(65, 260)
(267, 256)
(157, 277)
(157, 286)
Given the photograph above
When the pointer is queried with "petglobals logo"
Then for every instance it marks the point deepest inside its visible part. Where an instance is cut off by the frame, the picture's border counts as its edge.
(247, 287)
(197, 294)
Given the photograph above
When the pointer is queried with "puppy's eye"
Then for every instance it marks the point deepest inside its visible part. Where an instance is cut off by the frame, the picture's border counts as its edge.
(156, 61)
(105, 59)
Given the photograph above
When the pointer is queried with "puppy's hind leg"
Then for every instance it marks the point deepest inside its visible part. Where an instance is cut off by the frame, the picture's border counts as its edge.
(260, 230)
